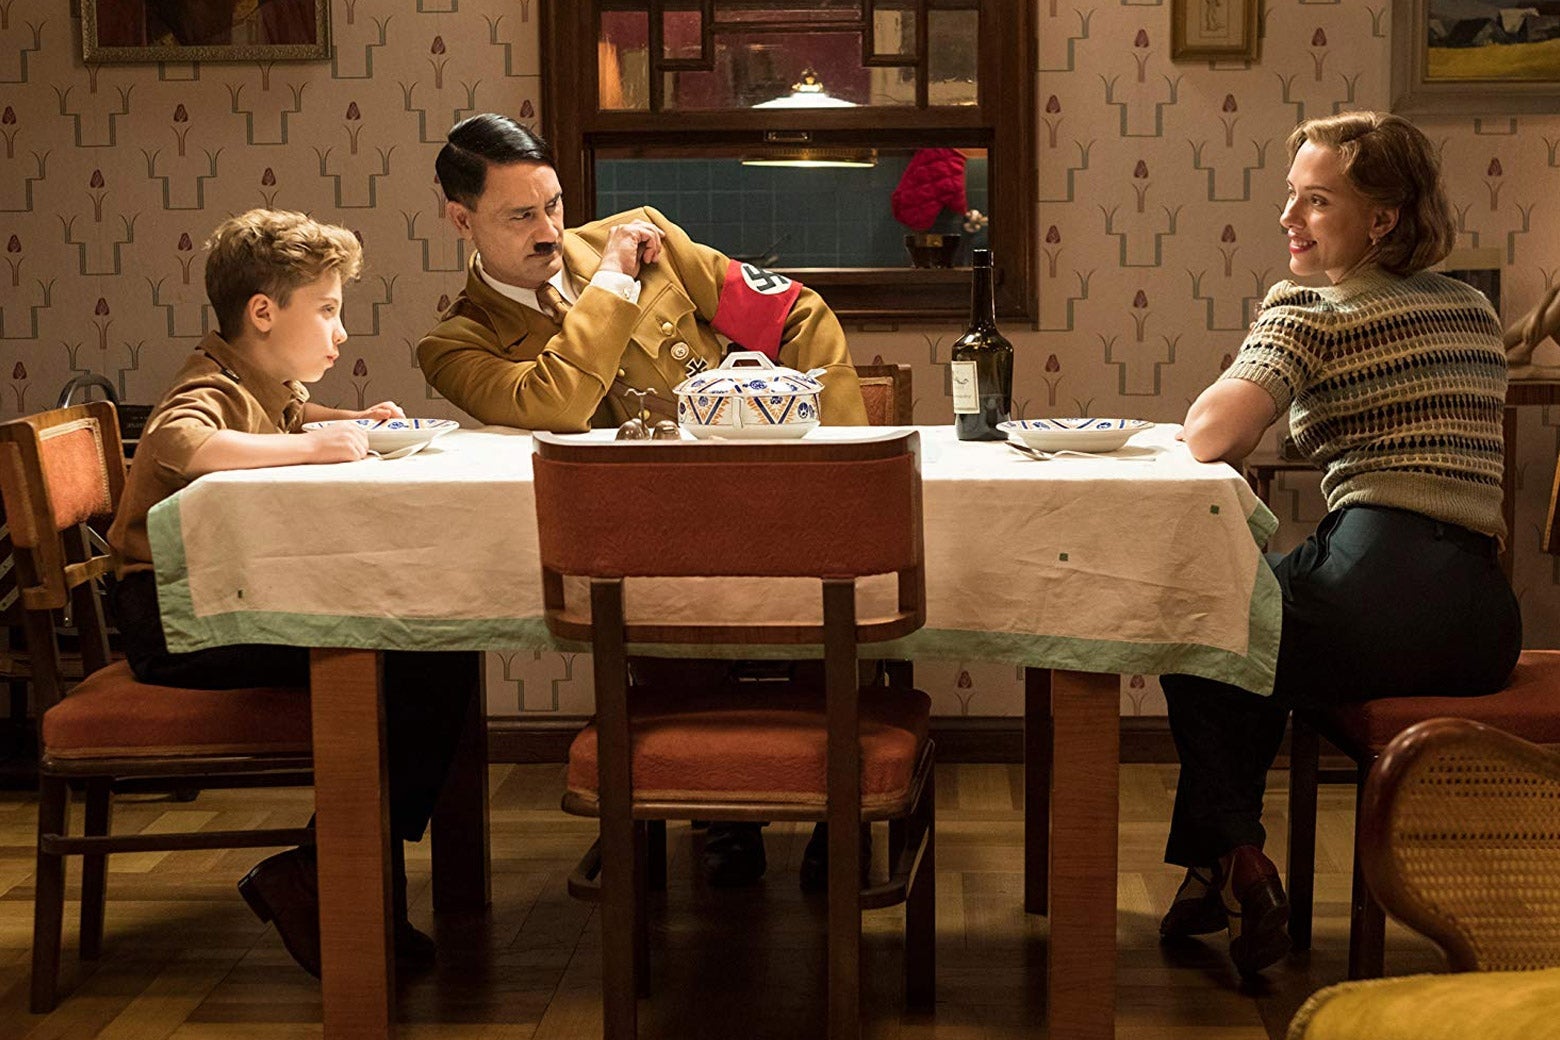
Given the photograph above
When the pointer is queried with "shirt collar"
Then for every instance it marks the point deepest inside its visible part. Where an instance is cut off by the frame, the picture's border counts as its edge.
(559, 281)
(280, 401)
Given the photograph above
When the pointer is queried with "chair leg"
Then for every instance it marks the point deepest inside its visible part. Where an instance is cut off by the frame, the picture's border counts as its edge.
(94, 869)
(655, 853)
(1367, 920)
(1038, 731)
(620, 947)
(48, 897)
(642, 866)
(921, 911)
(844, 932)
(1303, 758)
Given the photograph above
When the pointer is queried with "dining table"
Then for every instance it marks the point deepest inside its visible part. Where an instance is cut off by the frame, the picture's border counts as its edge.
(1080, 568)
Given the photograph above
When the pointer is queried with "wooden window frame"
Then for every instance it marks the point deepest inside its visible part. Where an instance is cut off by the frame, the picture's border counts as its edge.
(1003, 122)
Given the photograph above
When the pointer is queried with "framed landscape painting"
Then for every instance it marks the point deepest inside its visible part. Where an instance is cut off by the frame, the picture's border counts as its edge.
(205, 30)
(1475, 57)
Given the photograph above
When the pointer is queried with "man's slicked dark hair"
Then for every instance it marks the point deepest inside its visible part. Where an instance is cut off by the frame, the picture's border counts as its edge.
(474, 144)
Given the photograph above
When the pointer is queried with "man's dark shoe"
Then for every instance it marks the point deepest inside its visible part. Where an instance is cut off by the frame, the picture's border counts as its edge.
(283, 890)
(1198, 908)
(1259, 914)
(733, 854)
(814, 873)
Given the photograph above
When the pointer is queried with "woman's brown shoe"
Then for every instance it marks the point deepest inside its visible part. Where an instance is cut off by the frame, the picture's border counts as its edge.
(1259, 920)
(1198, 908)
(281, 890)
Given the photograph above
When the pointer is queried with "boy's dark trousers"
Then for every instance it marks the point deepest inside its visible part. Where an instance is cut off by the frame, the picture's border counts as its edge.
(426, 693)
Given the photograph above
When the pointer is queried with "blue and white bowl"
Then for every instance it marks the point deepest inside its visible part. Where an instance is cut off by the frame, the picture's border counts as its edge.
(387, 435)
(749, 396)
(1073, 434)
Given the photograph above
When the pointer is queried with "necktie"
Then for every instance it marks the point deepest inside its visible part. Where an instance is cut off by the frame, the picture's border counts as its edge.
(552, 302)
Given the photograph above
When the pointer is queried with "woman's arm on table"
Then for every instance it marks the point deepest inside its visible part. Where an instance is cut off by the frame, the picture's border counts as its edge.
(1227, 421)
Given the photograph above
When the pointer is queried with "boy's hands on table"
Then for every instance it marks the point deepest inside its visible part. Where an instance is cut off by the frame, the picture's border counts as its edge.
(343, 443)
(382, 410)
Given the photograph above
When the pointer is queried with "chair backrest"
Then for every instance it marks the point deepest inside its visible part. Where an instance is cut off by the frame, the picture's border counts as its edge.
(58, 470)
(1551, 528)
(1461, 842)
(888, 394)
(836, 510)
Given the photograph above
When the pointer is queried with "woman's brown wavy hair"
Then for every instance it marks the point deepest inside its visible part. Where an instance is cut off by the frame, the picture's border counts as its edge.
(1390, 162)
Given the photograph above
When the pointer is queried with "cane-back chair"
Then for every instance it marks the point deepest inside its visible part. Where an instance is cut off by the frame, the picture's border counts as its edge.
(832, 512)
(58, 470)
(1460, 842)
(1529, 706)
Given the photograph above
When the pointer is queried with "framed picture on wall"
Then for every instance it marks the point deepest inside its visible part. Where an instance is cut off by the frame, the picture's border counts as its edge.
(205, 30)
(1213, 30)
(1475, 57)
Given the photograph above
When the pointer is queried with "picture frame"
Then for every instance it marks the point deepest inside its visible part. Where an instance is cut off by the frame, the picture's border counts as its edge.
(1446, 63)
(1214, 30)
(205, 30)
(1478, 266)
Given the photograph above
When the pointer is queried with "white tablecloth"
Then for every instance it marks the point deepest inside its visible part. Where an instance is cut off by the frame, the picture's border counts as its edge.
(1147, 562)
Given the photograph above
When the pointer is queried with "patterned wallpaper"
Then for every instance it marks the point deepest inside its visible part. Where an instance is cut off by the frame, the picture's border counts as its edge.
(1157, 198)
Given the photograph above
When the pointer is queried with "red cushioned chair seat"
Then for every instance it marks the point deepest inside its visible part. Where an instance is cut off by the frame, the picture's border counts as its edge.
(1529, 706)
(692, 746)
(111, 715)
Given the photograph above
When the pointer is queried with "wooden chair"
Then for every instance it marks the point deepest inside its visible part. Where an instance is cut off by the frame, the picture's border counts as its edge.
(1459, 842)
(832, 512)
(1529, 707)
(58, 470)
(888, 393)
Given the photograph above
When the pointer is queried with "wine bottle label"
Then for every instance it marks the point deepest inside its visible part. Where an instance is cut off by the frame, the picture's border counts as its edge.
(966, 388)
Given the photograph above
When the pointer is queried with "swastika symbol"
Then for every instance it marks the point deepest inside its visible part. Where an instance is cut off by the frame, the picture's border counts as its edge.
(695, 365)
(766, 283)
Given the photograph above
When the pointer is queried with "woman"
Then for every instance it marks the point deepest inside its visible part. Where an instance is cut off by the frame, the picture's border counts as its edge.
(1395, 381)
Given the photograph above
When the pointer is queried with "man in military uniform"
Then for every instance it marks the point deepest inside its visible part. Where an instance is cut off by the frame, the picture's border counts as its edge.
(555, 328)
(555, 325)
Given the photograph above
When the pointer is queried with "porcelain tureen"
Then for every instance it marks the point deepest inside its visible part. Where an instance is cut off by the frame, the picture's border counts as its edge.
(749, 396)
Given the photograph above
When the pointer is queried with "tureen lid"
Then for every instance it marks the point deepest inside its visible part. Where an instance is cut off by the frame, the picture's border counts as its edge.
(748, 373)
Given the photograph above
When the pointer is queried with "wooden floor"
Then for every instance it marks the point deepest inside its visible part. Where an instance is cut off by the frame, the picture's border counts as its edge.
(184, 958)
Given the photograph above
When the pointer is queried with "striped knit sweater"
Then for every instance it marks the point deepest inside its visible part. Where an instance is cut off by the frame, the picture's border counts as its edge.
(1395, 389)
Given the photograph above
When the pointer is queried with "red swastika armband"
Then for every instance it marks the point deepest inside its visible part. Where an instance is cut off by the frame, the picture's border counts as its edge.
(753, 306)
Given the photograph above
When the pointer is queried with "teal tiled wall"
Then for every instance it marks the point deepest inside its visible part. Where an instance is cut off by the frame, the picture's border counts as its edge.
(834, 217)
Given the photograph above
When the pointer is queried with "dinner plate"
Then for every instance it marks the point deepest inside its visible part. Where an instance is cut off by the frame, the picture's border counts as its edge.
(1075, 434)
(777, 432)
(387, 435)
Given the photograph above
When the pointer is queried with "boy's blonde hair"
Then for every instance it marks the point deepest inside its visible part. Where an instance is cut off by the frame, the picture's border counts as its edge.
(1391, 163)
(273, 252)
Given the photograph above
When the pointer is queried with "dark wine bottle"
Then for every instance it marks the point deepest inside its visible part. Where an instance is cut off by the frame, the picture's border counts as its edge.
(982, 368)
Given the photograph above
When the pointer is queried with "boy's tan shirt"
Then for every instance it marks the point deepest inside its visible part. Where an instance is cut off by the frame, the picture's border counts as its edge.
(216, 389)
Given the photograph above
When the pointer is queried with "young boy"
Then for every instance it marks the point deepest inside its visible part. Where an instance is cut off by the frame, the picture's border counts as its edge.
(275, 281)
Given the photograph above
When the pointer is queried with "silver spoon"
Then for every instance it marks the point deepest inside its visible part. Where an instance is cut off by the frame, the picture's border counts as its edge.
(1044, 456)
(400, 453)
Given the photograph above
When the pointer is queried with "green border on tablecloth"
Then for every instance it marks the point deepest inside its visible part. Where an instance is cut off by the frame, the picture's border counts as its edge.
(186, 632)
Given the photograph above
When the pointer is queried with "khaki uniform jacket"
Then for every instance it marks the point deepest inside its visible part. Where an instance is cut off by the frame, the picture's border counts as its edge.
(216, 389)
(507, 364)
